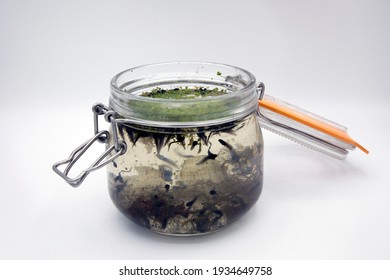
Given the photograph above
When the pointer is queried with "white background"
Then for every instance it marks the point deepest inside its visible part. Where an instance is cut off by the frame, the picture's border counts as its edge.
(330, 57)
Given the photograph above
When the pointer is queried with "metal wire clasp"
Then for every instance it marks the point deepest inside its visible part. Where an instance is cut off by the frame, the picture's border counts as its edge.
(101, 136)
(260, 88)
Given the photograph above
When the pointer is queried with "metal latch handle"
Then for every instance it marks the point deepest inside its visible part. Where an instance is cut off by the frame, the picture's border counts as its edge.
(100, 136)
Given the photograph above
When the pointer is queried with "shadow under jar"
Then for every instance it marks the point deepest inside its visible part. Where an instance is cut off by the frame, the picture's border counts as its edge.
(194, 164)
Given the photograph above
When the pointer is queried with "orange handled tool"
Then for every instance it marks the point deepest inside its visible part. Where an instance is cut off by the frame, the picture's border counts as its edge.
(311, 122)
(305, 127)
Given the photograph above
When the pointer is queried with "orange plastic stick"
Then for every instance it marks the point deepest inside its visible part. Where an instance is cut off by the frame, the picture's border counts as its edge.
(311, 122)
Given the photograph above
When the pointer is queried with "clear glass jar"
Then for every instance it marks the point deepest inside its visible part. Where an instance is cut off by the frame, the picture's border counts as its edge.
(192, 166)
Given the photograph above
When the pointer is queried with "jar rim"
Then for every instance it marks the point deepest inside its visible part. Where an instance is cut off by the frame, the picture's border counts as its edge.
(240, 100)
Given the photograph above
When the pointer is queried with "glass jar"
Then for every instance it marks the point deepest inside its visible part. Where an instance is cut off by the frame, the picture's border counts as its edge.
(192, 166)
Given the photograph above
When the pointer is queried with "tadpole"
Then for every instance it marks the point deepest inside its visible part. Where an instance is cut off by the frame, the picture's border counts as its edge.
(224, 143)
(167, 160)
(193, 145)
(179, 139)
(191, 202)
(210, 155)
(160, 141)
(203, 137)
(233, 153)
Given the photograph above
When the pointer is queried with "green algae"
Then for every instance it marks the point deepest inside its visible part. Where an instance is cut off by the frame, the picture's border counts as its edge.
(183, 93)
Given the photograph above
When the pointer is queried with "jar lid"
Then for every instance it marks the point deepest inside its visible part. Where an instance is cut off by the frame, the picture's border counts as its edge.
(305, 127)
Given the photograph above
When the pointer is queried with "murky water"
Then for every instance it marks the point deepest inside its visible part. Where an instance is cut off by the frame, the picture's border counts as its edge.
(189, 182)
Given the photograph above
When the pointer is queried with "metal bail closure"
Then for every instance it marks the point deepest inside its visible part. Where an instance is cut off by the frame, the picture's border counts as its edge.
(304, 127)
(101, 136)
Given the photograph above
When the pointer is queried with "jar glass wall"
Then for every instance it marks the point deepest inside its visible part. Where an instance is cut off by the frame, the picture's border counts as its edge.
(191, 166)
